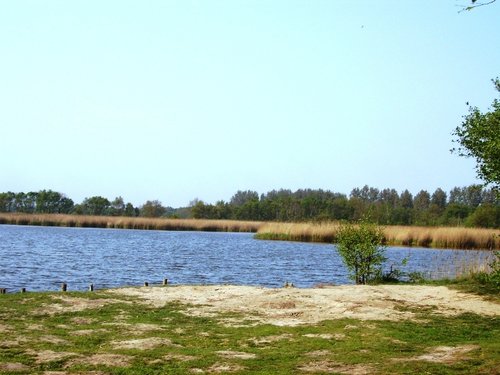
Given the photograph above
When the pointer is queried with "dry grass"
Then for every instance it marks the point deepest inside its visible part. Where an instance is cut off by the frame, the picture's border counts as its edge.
(436, 237)
(120, 222)
(444, 237)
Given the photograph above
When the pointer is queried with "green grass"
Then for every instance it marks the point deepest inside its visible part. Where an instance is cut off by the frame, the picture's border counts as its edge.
(30, 331)
(476, 283)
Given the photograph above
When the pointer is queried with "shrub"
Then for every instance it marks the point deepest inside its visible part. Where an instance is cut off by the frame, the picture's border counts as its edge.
(360, 247)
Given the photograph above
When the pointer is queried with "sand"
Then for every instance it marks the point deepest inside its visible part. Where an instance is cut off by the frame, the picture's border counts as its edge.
(297, 306)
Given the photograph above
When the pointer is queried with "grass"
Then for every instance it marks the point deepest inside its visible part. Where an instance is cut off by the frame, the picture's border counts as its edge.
(436, 237)
(36, 339)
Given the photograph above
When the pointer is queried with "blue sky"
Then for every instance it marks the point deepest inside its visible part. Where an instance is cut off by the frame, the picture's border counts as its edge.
(176, 100)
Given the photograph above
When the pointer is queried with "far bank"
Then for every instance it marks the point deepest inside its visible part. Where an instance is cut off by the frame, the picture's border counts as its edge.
(323, 232)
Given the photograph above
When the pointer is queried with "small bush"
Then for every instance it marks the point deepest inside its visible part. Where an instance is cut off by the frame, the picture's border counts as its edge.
(360, 247)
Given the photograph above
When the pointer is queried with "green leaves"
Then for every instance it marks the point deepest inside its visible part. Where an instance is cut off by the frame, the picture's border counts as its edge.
(360, 247)
(479, 137)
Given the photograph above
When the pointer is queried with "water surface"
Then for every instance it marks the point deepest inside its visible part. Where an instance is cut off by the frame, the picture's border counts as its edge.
(41, 258)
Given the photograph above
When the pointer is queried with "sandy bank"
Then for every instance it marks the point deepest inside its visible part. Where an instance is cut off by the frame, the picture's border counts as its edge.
(294, 306)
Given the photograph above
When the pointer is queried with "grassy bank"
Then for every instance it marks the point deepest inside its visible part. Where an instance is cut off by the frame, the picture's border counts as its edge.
(436, 237)
(121, 222)
(104, 333)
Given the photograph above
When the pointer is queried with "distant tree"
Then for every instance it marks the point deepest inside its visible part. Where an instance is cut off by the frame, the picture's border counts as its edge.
(201, 210)
(117, 207)
(25, 202)
(96, 205)
(338, 208)
(360, 247)
(152, 209)
(421, 205)
(6, 201)
(422, 200)
(242, 197)
(479, 137)
(439, 198)
(406, 199)
(485, 216)
(222, 210)
(366, 193)
(129, 210)
(48, 201)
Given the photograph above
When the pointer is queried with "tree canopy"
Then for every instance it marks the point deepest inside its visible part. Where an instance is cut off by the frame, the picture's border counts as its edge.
(479, 137)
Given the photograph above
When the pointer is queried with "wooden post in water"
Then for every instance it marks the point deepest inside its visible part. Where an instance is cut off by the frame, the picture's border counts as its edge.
(165, 282)
(64, 287)
(146, 283)
(91, 287)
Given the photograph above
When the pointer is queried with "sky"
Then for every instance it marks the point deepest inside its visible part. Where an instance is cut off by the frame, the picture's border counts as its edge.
(177, 100)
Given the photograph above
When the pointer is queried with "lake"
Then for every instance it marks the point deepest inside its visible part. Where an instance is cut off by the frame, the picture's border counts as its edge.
(41, 258)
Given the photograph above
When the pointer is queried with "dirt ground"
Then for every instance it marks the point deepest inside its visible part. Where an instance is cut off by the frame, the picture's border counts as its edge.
(295, 306)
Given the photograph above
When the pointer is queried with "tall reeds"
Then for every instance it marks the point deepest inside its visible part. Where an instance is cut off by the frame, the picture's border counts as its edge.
(436, 237)
(119, 222)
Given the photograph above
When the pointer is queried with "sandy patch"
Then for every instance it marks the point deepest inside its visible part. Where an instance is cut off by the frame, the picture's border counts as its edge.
(88, 332)
(138, 328)
(115, 360)
(53, 340)
(443, 354)
(225, 367)
(4, 328)
(229, 354)
(83, 321)
(35, 327)
(13, 367)
(45, 356)
(143, 344)
(326, 336)
(179, 357)
(350, 326)
(295, 306)
(338, 368)
(13, 343)
(73, 304)
(272, 338)
(319, 353)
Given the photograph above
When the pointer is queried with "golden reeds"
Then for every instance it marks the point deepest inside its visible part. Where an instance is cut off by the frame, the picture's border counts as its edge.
(120, 222)
(436, 237)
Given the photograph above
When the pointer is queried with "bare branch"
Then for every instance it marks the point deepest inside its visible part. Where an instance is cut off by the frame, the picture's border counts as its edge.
(475, 4)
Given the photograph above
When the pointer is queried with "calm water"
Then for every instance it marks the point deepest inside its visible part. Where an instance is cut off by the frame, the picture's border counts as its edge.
(41, 258)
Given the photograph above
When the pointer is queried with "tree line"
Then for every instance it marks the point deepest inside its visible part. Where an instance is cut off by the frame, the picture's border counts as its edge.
(471, 206)
(53, 202)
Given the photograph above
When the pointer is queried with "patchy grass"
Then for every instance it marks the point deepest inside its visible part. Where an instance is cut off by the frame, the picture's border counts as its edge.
(43, 332)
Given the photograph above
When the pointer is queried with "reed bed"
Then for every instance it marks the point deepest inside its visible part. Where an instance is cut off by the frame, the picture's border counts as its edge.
(120, 222)
(435, 237)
